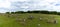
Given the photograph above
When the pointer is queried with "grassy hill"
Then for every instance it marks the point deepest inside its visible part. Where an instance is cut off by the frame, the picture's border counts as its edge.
(10, 21)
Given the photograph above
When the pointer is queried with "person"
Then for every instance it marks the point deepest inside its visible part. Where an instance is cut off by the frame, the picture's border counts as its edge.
(55, 21)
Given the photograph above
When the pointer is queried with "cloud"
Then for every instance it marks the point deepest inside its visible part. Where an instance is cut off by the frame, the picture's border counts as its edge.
(25, 5)
(17, 0)
(4, 4)
(3, 10)
(36, 5)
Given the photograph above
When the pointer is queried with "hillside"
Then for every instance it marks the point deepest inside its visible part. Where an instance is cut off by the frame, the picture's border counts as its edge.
(10, 20)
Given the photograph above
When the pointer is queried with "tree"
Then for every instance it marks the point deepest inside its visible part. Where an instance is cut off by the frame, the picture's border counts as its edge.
(12, 12)
(58, 13)
(7, 12)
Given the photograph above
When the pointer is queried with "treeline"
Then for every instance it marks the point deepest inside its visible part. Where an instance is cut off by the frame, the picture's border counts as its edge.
(43, 12)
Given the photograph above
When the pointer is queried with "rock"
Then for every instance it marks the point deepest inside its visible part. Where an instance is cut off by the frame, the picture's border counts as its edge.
(38, 24)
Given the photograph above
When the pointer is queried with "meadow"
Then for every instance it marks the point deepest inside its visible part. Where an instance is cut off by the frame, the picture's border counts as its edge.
(10, 21)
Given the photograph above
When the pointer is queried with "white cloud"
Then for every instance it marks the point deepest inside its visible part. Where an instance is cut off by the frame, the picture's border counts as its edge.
(42, 5)
(17, 0)
(3, 11)
(5, 4)
(48, 5)
(31, 5)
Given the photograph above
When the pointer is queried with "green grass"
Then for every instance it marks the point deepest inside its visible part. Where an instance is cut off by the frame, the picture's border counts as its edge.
(11, 21)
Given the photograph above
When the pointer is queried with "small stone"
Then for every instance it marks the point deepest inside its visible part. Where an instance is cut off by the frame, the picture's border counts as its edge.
(38, 24)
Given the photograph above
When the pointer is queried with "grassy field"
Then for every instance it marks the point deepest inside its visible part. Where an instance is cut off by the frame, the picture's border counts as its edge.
(10, 21)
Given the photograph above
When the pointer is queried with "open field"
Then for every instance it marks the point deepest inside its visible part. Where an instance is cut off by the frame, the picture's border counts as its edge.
(10, 21)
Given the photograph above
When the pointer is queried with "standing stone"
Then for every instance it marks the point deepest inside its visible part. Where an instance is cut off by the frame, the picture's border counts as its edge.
(38, 25)
(30, 17)
(40, 19)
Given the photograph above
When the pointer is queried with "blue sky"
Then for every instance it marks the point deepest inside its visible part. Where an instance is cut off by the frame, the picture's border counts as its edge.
(25, 5)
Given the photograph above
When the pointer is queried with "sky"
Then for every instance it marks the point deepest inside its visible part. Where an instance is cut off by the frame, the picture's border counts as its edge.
(25, 5)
